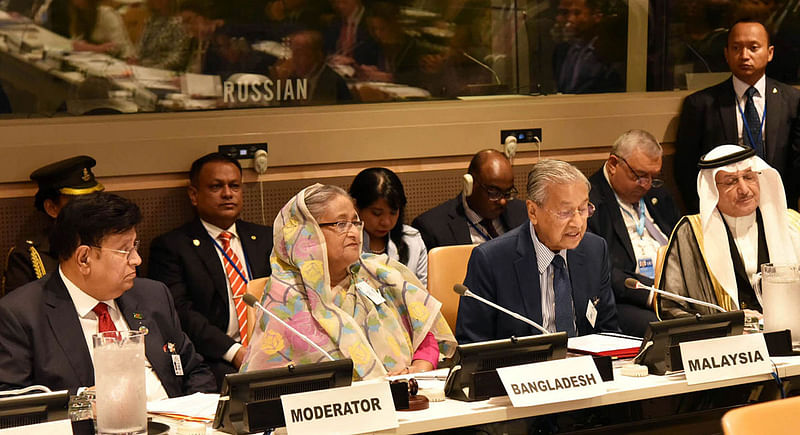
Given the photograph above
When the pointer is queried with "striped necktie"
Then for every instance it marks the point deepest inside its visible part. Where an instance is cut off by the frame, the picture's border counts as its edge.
(237, 282)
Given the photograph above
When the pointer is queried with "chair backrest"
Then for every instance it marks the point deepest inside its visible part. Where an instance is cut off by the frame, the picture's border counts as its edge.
(447, 266)
(775, 418)
(256, 288)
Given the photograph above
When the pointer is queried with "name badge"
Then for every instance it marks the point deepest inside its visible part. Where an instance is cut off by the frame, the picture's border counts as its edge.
(723, 358)
(370, 292)
(362, 407)
(591, 311)
(176, 364)
(552, 381)
(646, 267)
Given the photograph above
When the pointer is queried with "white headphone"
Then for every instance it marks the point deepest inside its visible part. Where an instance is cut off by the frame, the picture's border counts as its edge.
(466, 190)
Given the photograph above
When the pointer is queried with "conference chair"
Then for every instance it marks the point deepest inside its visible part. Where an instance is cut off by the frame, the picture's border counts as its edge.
(775, 418)
(256, 288)
(447, 266)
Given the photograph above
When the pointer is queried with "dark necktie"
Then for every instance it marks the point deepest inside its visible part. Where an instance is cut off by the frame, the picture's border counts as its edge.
(753, 123)
(487, 223)
(104, 322)
(650, 227)
(565, 317)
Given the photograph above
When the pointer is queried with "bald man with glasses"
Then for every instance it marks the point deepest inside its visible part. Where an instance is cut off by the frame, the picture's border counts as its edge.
(635, 215)
(548, 269)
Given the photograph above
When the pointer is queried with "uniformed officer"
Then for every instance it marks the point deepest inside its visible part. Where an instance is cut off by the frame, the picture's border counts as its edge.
(30, 258)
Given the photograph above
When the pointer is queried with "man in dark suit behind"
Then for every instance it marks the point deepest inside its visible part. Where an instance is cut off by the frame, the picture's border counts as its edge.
(547, 270)
(208, 261)
(635, 215)
(484, 210)
(719, 115)
(46, 326)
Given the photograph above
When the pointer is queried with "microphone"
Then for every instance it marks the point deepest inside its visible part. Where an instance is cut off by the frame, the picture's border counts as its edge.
(253, 302)
(484, 66)
(462, 290)
(634, 284)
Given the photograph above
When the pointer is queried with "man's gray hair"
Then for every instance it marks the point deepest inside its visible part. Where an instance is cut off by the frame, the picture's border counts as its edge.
(318, 197)
(637, 139)
(548, 172)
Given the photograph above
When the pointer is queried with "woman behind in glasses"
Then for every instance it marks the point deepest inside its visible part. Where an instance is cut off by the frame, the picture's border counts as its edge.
(381, 204)
(368, 308)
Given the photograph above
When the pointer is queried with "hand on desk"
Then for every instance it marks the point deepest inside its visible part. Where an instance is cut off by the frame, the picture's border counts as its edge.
(417, 366)
(81, 45)
(239, 357)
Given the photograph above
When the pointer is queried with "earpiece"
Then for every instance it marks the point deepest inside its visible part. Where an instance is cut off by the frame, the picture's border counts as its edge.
(467, 189)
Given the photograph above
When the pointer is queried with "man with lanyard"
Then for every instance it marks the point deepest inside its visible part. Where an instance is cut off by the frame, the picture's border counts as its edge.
(208, 262)
(749, 109)
(483, 210)
(743, 223)
(635, 215)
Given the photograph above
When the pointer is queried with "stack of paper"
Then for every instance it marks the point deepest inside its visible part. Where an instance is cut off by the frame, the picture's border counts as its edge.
(605, 344)
(196, 407)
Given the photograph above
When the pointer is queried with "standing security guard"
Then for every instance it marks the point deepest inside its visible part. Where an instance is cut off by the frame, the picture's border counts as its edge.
(30, 258)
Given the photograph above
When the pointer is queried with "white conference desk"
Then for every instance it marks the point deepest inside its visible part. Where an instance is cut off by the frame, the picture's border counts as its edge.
(451, 414)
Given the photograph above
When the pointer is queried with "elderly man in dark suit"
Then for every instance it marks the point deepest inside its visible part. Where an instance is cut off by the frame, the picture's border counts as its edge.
(207, 262)
(46, 326)
(749, 109)
(548, 270)
(635, 215)
(484, 209)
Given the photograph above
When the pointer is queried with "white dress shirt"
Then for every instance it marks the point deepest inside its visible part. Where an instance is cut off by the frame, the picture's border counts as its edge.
(544, 260)
(477, 232)
(89, 324)
(236, 245)
(759, 100)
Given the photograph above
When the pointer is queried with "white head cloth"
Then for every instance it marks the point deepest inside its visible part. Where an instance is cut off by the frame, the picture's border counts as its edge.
(772, 204)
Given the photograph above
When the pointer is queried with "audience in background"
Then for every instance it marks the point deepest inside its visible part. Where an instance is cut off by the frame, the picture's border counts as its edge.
(381, 204)
(483, 210)
(207, 263)
(31, 258)
(98, 28)
(164, 43)
(353, 305)
(635, 215)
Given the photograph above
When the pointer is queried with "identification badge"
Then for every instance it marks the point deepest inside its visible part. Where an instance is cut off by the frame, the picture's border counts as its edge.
(176, 364)
(370, 292)
(646, 267)
(591, 311)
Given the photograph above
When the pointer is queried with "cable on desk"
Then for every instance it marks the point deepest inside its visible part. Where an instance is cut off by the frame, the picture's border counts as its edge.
(778, 379)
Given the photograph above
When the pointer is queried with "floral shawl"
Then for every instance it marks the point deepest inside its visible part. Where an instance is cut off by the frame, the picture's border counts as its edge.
(342, 320)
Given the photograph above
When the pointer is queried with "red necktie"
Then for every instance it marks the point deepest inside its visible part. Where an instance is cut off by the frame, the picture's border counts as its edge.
(238, 286)
(104, 322)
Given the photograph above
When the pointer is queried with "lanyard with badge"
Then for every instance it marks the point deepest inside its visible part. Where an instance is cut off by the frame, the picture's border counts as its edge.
(230, 261)
(480, 232)
(644, 262)
(744, 121)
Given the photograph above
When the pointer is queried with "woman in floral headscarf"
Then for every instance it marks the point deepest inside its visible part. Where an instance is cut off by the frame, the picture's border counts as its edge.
(365, 307)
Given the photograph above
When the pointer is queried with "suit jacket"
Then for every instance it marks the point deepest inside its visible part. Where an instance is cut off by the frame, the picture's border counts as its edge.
(607, 222)
(186, 260)
(504, 271)
(447, 224)
(708, 119)
(42, 342)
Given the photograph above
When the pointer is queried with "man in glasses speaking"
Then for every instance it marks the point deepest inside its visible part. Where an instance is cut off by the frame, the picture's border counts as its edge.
(636, 216)
(548, 270)
(743, 223)
(483, 210)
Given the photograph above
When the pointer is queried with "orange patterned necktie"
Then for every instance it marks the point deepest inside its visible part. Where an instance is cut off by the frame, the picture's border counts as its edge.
(238, 286)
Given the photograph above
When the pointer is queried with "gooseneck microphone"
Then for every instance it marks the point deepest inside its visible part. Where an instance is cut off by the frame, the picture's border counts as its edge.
(253, 302)
(462, 290)
(634, 284)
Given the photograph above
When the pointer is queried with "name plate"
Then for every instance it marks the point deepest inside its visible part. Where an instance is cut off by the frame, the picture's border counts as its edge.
(362, 407)
(723, 358)
(552, 381)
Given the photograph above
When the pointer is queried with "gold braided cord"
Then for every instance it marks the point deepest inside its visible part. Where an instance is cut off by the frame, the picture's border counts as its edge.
(36, 261)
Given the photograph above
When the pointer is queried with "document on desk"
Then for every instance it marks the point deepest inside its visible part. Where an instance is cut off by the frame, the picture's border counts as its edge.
(197, 407)
(552, 381)
(605, 344)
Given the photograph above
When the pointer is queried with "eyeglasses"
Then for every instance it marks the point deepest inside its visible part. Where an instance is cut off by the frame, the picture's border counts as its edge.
(564, 215)
(496, 194)
(342, 227)
(642, 180)
(750, 178)
(128, 254)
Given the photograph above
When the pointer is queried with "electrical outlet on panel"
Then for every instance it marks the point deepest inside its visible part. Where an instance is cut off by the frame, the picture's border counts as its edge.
(527, 138)
(247, 154)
